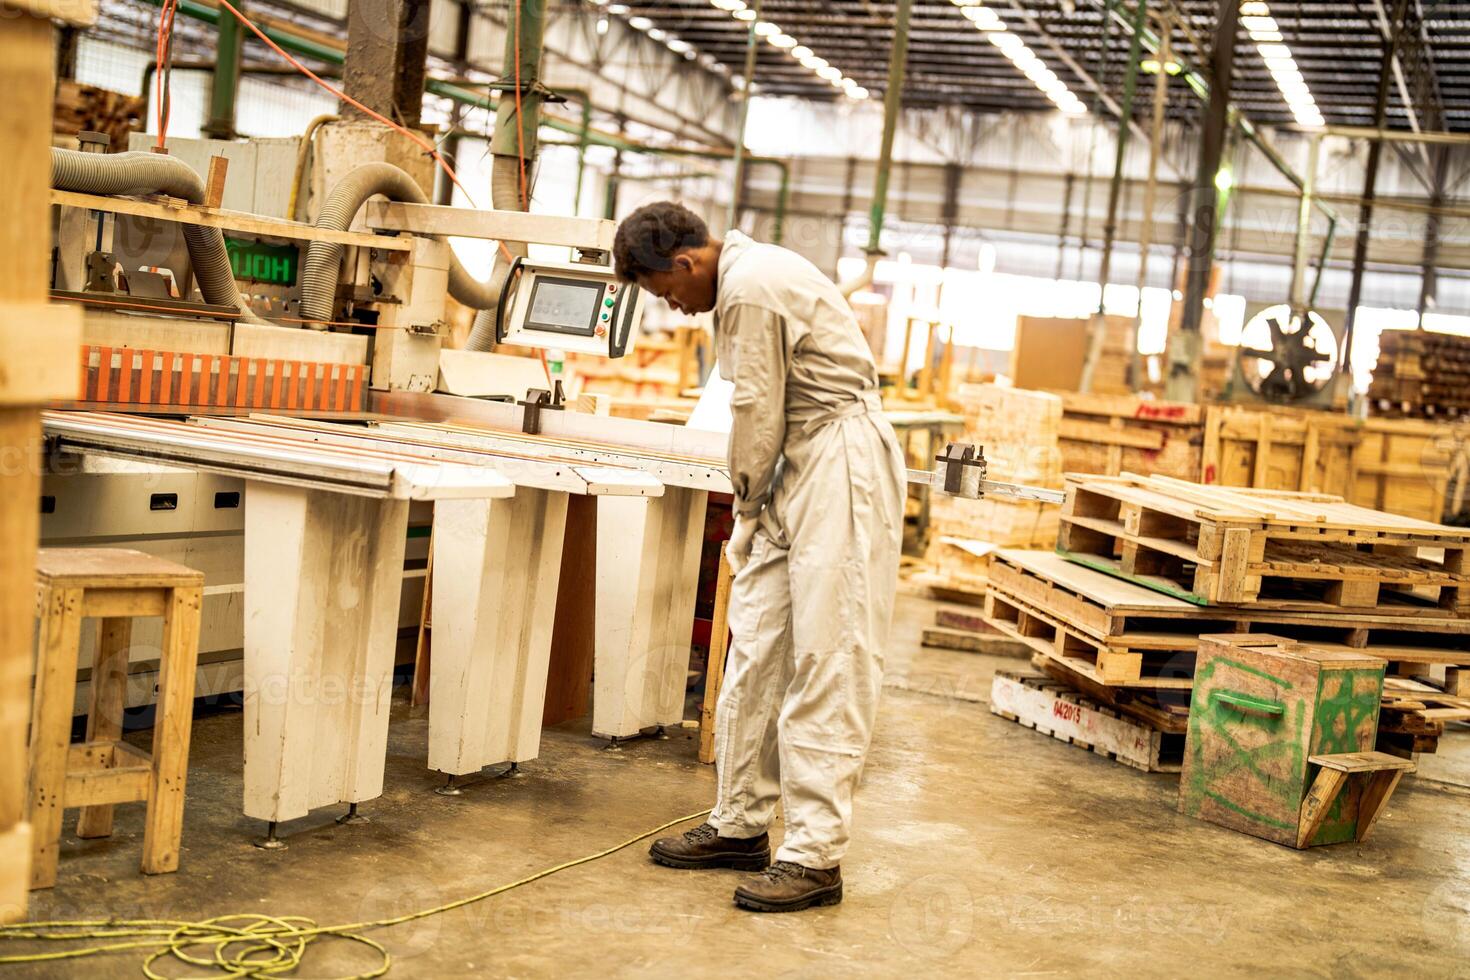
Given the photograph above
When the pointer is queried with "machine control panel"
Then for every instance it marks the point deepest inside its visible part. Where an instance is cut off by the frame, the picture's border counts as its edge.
(569, 305)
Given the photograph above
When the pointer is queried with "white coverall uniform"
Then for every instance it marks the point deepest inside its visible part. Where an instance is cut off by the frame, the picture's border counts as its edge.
(813, 458)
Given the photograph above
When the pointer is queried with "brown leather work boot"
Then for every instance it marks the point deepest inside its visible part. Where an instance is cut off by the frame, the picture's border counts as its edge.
(703, 847)
(789, 887)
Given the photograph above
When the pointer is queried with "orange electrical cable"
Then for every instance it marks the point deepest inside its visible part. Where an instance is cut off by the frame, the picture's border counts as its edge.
(423, 144)
(163, 57)
(520, 128)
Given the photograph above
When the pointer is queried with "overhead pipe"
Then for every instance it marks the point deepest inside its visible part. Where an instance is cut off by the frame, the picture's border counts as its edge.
(898, 57)
(224, 83)
(139, 172)
(1098, 334)
(737, 179)
(513, 150)
(1200, 86)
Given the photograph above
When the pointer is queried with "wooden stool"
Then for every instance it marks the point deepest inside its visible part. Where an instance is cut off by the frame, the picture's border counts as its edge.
(114, 586)
(1380, 772)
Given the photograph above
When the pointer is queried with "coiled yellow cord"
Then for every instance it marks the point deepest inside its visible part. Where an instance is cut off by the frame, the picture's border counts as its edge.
(252, 946)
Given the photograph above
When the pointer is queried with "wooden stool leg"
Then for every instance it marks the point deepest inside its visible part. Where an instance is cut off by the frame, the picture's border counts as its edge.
(105, 716)
(1375, 799)
(51, 711)
(171, 728)
(1328, 784)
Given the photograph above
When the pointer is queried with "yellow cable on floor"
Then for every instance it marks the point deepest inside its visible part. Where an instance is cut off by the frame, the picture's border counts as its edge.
(250, 945)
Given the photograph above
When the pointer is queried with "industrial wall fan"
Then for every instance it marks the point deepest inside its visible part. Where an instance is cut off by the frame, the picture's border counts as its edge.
(1285, 358)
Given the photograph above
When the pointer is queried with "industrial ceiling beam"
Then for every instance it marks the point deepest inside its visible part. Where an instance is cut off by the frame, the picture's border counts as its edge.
(1185, 343)
(387, 58)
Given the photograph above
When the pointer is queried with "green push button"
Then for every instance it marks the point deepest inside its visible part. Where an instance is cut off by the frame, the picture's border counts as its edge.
(608, 302)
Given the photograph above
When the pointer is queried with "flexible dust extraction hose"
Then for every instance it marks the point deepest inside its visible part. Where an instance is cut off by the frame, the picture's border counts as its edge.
(156, 173)
(505, 195)
(323, 265)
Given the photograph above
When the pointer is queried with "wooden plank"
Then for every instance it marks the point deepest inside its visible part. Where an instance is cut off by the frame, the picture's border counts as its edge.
(992, 643)
(51, 708)
(178, 657)
(1375, 798)
(189, 214)
(719, 647)
(109, 684)
(573, 641)
(1317, 803)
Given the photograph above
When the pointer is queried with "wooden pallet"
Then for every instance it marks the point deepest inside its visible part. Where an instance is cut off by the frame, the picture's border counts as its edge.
(1054, 709)
(969, 633)
(1272, 549)
(1117, 633)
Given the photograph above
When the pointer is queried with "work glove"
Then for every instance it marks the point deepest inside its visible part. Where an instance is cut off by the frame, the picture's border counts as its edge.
(742, 537)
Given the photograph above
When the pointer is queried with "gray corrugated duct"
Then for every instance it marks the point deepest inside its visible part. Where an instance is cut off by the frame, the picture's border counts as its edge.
(504, 193)
(322, 268)
(137, 173)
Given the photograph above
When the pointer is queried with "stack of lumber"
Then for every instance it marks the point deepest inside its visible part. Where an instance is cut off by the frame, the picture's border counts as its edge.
(1421, 375)
(1147, 565)
(1049, 353)
(1402, 466)
(1017, 429)
(1113, 434)
(81, 108)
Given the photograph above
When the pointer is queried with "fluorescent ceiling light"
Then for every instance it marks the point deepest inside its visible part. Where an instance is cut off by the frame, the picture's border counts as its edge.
(639, 23)
(746, 15)
(657, 33)
(858, 93)
(728, 5)
(813, 63)
(1255, 16)
(801, 52)
(679, 46)
(783, 41)
(830, 73)
(765, 28)
(617, 8)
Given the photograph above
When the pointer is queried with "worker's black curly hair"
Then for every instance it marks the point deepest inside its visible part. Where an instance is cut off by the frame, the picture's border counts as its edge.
(649, 238)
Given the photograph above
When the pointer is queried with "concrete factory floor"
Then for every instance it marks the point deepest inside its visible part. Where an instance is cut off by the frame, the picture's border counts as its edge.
(982, 848)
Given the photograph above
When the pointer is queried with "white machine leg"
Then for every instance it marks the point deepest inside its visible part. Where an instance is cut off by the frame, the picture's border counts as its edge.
(323, 573)
(496, 567)
(647, 579)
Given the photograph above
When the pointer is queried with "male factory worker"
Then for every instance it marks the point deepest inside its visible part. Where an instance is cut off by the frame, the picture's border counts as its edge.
(819, 490)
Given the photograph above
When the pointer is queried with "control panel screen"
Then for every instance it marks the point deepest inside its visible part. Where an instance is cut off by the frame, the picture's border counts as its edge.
(565, 305)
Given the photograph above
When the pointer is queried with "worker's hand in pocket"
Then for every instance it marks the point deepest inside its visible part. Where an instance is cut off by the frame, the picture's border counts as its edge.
(742, 536)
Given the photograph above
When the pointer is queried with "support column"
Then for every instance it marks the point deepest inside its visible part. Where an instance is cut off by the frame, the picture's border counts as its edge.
(1365, 210)
(1185, 345)
(1429, 275)
(38, 348)
(387, 52)
(647, 579)
(1097, 335)
(323, 573)
(224, 83)
(898, 58)
(737, 176)
(496, 567)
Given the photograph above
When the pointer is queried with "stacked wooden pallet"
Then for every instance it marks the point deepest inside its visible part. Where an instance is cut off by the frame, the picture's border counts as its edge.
(1421, 375)
(1018, 432)
(1131, 645)
(82, 108)
(1114, 434)
(1270, 549)
(1147, 565)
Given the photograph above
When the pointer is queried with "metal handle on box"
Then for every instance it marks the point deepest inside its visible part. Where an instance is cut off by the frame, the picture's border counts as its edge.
(1247, 704)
